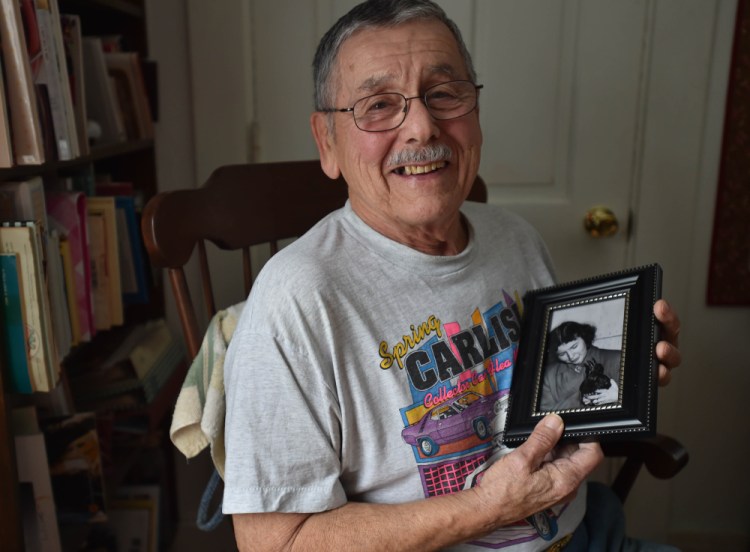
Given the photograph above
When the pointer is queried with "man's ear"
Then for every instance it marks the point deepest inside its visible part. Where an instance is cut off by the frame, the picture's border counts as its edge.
(324, 139)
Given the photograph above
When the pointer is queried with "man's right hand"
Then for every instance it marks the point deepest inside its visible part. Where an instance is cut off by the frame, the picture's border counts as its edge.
(537, 475)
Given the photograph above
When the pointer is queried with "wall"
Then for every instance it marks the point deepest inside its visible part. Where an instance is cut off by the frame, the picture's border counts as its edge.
(712, 511)
(710, 501)
(176, 167)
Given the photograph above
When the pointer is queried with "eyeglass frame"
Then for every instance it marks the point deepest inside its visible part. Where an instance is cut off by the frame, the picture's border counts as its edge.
(422, 96)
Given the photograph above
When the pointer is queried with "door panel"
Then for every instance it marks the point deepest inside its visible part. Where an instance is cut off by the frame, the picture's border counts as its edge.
(561, 113)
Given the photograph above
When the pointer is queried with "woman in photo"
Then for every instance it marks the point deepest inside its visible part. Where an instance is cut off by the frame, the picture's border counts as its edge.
(578, 374)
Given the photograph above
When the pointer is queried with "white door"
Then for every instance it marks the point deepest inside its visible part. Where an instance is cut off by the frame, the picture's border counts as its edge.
(561, 112)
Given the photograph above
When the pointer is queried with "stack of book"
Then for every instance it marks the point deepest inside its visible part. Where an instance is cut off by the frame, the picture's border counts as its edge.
(63, 91)
(132, 376)
(69, 263)
(62, 485)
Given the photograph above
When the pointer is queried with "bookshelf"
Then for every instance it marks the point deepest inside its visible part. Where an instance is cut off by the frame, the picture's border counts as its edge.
(133, 160)
(110, 153)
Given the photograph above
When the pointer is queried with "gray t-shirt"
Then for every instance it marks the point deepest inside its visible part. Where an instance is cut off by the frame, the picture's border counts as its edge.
(364, 370)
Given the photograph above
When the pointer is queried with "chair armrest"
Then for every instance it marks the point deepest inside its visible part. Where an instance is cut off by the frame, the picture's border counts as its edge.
(663, 456)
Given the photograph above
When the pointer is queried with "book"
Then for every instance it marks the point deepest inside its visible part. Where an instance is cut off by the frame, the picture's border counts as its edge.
(7, 205)
(125, 67)
(132, 269)
(107, 187)
(111, 43)
(44, 110)
(23, 239)
(75, 467)
(13, 314)
(67, 213)
(100, 275)
(70, 291)
(73, 45)
(101, 100)
(148, 497)
(64, 72)
(31, 460)
(157, 344)
(132, 521)
(26, 131)
(126, 103)
(139, 368)
(35, 53)
(84, 180)
(26, 200)
(49, 75)
(6, 147)
(103, 211)
(58, 300)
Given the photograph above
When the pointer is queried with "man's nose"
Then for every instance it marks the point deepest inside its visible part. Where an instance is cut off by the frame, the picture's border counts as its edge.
(419, 122)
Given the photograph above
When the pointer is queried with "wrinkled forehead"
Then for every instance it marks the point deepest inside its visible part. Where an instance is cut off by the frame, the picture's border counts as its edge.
(373, 58)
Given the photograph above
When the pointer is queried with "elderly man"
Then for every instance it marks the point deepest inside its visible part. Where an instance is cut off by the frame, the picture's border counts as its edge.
(370, 363)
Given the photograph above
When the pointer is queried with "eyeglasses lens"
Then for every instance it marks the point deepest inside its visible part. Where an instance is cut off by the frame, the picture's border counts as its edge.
(447, 100)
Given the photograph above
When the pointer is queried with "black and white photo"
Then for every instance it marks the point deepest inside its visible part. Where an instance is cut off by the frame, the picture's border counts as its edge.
(583, 367)
(587, 354)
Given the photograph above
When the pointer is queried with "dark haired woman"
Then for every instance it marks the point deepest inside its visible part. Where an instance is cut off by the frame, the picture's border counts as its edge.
(571, 352)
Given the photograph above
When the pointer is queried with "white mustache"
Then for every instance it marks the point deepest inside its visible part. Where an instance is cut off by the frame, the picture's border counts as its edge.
(427, 154)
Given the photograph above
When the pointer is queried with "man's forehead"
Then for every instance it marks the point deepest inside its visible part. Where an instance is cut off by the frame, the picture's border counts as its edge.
(377, 81)
(374, 57)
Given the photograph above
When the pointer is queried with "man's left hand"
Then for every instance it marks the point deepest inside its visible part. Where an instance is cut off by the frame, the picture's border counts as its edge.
(666, 350)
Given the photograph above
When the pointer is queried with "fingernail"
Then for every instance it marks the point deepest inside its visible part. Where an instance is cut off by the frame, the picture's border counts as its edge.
(553, 421)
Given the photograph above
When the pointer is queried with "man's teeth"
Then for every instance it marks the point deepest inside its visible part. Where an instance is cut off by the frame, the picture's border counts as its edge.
(422, 169)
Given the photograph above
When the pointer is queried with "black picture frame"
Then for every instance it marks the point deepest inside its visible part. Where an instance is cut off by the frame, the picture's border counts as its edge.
(622, 300)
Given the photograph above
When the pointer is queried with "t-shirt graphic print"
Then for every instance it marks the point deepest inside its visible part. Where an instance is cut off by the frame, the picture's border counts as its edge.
(460, 380)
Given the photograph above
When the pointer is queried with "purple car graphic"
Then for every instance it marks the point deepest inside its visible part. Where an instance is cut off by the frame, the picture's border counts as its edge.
(468, 414)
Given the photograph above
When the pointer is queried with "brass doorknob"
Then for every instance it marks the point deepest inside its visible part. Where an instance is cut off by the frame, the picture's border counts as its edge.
(600, 222)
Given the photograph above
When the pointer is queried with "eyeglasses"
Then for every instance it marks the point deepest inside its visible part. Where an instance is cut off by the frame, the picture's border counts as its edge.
(381, 112)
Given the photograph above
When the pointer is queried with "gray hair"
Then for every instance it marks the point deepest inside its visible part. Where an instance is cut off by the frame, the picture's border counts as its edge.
(374, 13)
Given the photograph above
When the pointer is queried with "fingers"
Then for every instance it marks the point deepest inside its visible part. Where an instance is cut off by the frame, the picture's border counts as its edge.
(589, 455)
(542, 440)
(581, 460)
(669, 358)
(670, 322)
(538, 474)
(572, 464)
(667, 353)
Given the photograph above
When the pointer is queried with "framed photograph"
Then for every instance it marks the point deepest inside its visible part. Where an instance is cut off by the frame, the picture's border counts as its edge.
(587, 353)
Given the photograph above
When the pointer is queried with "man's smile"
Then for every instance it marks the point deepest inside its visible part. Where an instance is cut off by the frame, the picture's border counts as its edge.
(409, 170)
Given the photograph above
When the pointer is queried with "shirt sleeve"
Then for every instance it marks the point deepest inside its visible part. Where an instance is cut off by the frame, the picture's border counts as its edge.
(282, 429)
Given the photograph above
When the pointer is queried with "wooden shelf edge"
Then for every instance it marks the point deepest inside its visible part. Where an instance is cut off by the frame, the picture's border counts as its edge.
(123, 7)
(98, 153)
